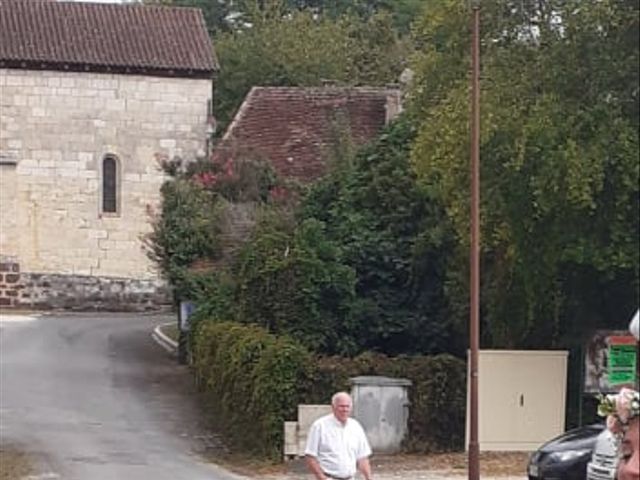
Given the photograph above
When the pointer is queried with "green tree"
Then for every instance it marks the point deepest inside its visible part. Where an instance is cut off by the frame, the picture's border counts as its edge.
(397, 241)
(184, 230)
(291, 281)
(559, 160)
(403, 12)
(303, 50)
(224, 15)
(215, 12)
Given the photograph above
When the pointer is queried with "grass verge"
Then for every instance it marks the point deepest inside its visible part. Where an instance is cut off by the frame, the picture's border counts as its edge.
(14, 464)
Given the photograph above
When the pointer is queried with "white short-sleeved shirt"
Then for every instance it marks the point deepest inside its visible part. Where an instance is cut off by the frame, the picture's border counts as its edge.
(337, 447)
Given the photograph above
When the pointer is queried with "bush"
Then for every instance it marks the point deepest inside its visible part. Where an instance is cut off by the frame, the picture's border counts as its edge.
(395, 238)
(253, 379)
(186, 229)
(293, 283)
(437, 395)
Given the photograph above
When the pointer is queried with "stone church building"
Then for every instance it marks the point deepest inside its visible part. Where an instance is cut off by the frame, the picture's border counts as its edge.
(91, 97)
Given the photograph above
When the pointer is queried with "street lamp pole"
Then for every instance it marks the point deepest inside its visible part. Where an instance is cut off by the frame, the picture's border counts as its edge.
(474, 327)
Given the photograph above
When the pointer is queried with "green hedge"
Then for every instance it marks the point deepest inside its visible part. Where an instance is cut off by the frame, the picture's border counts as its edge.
(255, 381)
(437, 395)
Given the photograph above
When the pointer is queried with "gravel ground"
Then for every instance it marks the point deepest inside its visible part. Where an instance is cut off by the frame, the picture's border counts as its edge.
(408, 475)
(493, 466)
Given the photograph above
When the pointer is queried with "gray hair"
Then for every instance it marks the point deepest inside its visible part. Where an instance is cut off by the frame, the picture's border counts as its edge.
(339, 395)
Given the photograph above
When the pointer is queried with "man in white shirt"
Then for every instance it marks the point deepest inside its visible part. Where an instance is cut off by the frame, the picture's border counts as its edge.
(337, 446)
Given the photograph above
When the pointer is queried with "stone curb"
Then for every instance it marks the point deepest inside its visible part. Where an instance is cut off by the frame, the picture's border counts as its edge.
(163, 340)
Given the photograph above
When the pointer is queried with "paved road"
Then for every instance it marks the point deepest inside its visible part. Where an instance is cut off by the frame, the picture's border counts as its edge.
(389, 469)
(93, 398)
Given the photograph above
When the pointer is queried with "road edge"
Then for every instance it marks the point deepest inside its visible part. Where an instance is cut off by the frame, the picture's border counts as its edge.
(170, 345)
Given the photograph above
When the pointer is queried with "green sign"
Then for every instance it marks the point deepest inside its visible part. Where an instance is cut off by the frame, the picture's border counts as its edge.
(622, 364)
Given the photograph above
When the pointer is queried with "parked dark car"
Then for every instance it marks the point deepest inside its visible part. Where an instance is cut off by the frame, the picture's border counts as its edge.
(566, 456)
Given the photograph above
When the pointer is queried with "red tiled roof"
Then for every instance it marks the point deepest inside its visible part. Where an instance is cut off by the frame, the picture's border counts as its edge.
(92, 36)
(292, 127)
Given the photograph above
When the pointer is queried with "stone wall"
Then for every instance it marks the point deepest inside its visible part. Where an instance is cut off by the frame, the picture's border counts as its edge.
(10, 284)
(46, 291)
(55, 130)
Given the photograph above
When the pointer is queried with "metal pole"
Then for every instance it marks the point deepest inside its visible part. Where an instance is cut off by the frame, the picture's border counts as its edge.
(474, 448)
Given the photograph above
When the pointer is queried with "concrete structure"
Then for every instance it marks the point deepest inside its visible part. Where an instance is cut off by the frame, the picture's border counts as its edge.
(381, 405)
(521, 398)
(92, 96)
(295, 433)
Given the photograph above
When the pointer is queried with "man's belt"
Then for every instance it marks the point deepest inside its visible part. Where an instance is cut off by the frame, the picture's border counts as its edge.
(333, 477)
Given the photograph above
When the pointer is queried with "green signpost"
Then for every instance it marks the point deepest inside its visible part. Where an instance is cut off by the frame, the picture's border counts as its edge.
(622, 361)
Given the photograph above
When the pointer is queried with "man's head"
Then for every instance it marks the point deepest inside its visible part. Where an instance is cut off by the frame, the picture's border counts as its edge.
(341, 405)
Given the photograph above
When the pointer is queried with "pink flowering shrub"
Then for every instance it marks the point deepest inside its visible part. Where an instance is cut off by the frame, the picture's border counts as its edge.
(619, 409)
(237, 180)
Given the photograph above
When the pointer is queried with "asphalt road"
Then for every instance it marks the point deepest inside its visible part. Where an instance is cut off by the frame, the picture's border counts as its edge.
(92, 397)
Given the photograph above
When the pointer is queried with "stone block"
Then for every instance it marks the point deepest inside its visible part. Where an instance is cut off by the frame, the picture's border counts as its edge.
(116, 104)
(85, 157)
(63, 91)
(99, 234)
(20, 100)
(9, 267)
(44, 176)
(162, 107)
(90, 174)
(11, 277)
(167, 143)
(68, 81)
(290, 439)
(14, 81)
(68, 172)
(28, 163)
(34, 100)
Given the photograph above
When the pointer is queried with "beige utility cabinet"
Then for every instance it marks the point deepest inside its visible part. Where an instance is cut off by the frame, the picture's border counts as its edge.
(521, 398)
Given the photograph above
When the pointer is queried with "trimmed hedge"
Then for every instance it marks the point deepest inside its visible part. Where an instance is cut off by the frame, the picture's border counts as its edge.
(255, 381)
(437, 396)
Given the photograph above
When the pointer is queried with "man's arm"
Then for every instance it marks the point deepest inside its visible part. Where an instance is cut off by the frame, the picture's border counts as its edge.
(314, 466)
(365, 468)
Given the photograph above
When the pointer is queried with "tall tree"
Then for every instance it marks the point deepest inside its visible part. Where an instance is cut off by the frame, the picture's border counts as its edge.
(225, 15)
(216, 12)
(303, 50)
(396, 239)
(560, 226)
(403, 12)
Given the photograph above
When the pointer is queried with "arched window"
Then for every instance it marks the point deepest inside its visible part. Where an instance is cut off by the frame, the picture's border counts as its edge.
(110, 184)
